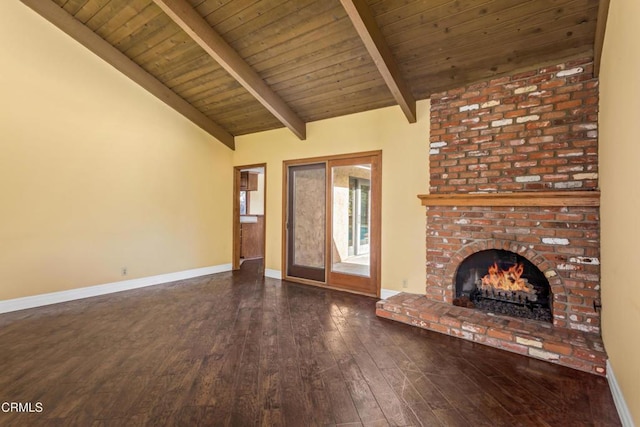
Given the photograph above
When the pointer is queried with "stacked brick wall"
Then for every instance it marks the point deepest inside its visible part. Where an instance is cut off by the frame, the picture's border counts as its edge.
(534, 131)
(531, 131)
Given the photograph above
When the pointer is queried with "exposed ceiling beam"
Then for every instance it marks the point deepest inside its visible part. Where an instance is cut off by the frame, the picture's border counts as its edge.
(365, 24)
(96, 44)
(601, 26)
(181, 12)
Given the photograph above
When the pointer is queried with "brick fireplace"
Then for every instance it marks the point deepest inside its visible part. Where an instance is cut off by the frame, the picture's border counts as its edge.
(513, 164)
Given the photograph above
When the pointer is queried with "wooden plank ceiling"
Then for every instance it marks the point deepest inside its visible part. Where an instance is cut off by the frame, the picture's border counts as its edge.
(296, 61)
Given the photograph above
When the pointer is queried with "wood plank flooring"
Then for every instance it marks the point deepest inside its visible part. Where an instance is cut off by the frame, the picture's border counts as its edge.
(234, 349)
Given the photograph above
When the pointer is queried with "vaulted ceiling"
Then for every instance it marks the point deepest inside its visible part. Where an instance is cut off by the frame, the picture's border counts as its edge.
(235, 67)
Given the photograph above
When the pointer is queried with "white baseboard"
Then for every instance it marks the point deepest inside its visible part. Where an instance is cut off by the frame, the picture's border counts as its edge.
(618, 398)
(16, 304)
(386, 293)
(274, 274)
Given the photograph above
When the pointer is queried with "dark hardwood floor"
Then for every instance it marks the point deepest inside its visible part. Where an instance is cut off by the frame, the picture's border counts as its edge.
(237, 349)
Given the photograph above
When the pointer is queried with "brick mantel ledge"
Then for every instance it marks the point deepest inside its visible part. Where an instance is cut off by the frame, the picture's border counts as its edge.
(530, 198)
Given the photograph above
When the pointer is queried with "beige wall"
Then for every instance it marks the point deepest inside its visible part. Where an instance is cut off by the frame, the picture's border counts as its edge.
(95, 173)
(619, 178)
(404, 175)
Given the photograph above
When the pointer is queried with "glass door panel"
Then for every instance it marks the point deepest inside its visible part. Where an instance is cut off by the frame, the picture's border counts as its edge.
(354, 224)
(350, 213)
(306, 222)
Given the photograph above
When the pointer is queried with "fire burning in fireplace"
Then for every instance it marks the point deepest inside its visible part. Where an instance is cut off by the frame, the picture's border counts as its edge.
(503, 282)
(507, 280)
(507, 283)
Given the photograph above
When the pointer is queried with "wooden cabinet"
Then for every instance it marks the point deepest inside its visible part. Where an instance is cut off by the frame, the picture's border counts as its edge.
(248, 181)
(252, 239)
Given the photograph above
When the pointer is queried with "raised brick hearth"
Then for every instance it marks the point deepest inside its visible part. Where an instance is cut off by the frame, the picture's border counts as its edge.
(533, 134)
(568, 347)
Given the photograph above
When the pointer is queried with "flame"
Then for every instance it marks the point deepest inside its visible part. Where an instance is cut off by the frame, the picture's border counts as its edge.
(508, 280)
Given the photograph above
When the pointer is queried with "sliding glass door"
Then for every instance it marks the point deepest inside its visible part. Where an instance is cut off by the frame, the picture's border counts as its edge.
(306, 219)
(332, 222)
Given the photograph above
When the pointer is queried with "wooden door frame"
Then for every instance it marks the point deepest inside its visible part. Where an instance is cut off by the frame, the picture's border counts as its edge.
(376, 252)
(375, 238)
(235, 257)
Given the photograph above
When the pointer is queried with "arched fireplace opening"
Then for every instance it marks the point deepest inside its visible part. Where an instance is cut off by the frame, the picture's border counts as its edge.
(505, 283)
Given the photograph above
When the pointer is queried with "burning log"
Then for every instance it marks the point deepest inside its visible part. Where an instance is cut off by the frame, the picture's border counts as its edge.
(507, 284)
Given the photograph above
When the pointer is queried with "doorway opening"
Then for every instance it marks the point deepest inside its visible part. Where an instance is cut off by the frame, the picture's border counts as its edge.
(249, 213)
(332, 221)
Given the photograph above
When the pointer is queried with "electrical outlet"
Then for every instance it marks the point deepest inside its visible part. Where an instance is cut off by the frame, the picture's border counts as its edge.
(124, 271)
(405, 283)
